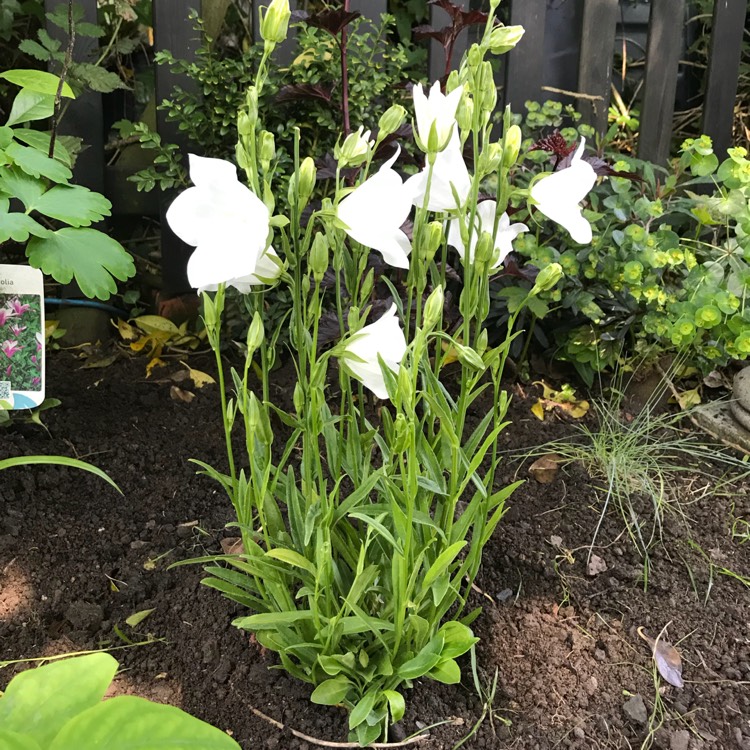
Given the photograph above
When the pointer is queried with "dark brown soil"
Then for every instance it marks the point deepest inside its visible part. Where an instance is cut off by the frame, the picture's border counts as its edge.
(77, 559)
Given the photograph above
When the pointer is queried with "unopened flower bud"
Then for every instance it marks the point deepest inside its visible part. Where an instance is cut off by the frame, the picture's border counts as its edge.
(475, 56)
(434, 239)
(355, 148)
(465, 113)
(255, 334)
(512, 146)
(298, 399)
(485, 248)
(400, 434)
(547, 278)
(482, 342)
(274, 23)
(467, 356)
(245, 125)
(319, 256)
(307, 177)
(489, 88)
(251, 108)
(505, 38)
(433, 308)
(391, 120)
(490, 158)
(266, 150)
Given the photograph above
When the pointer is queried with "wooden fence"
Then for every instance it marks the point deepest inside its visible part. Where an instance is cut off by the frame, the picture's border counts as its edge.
(523, 77)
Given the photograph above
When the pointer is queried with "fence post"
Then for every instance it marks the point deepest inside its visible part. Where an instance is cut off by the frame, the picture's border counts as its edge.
(525, 64)
(595, 64)
(173, 31)
(723, 72)
(437, 63)
(660, 83)
(84, 117)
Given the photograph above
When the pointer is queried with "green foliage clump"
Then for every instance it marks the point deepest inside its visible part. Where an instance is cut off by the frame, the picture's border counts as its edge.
(667, 271)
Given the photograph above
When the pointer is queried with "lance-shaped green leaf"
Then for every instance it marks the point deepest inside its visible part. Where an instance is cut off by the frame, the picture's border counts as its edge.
(89, 256)
(39, 81)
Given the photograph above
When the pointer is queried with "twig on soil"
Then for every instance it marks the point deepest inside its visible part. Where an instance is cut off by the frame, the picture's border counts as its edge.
(326, 743)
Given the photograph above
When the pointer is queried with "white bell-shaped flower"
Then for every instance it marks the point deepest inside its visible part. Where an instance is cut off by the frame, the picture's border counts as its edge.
(450, 178)
(375, 211)
(384, 337)
(268, 268)
(435, 115)
(484, 221)
(223, 219)
(558, 196)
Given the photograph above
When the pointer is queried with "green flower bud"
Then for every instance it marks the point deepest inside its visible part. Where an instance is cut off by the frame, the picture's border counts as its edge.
(465, 113)
(475, 56)
(433, 308)
(547, 278)
(468, 357)
(400, 434)
(319, 256)
(485, 248)
(512, 146)
(251, 108)
(489, 88)
(274, 23)
(391, 120)
(355, 149)
(245, 125)
(490, 158)
(434, 240)
(266, 150)
(482, 342)
(307, 177)
(504, 38)
(298, 399)
(255, 334)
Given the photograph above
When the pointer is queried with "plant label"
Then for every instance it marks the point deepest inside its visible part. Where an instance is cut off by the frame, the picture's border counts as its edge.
(21, 337)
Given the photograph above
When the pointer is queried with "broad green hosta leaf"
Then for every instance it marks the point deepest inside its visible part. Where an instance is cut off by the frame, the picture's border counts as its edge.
(14, 741)
(73, 204)
(127, 722)
(40, 141)
(37, 163)
(90, 256)
(15, 183)
(37, 80)
(29, 105)
(38, 702)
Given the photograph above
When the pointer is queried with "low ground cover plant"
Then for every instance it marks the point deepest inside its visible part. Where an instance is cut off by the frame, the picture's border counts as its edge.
(666, 270)
(362, 531)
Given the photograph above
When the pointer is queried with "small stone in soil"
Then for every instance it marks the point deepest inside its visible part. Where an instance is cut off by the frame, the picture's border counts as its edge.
(84, 616)
(635, 709)
(504, 595)
(596, 565)
(679, 740)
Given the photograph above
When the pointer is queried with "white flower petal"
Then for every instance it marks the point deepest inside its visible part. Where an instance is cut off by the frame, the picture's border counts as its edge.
(558, 195)
(449, 173)
(205, 171)
(384, 337)
(485, 222)
(375, 211)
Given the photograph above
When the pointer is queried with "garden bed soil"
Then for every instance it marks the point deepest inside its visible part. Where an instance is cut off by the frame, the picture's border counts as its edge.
(77, 559)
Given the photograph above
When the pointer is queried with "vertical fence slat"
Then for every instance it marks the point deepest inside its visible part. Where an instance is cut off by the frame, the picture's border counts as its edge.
(370, 8)
(660, 83)
(173, 31)
(595, 64)
(438, 19)
(723, 72)
(284, 52)
(525, 64)
(84, 116)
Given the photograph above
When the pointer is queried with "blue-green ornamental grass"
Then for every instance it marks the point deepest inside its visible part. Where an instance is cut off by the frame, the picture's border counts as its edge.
(363, 532)
(59, 706)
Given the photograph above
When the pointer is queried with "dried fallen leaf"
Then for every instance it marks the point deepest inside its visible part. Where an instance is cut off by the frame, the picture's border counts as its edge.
(232, 545)
(666, 657)
(538, 410)
(178, 394)
(545, 469)
(564, 399)
(199, 378)
(595, 565)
